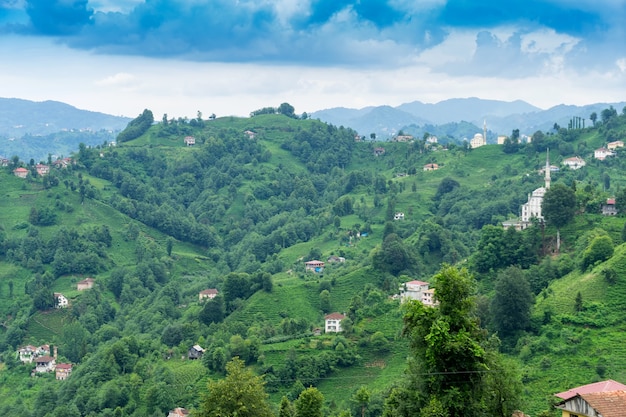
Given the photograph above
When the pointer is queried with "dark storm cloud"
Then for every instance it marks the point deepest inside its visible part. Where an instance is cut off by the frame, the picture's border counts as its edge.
(322, 32)
(58, 17)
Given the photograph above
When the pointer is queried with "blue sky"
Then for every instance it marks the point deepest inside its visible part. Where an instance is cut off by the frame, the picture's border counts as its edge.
(233, 56)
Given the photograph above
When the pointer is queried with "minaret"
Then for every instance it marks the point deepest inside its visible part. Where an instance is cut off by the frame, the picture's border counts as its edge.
(485, 131)
(547, 177)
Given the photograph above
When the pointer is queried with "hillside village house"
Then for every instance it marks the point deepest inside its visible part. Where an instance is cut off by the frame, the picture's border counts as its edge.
(431, 167)
(379, 151)
(403, 138)
(314, 266)
(20, 172)
(42, 169)
(600, 399)
(336, 259)
(398, 216)
(250, 134)
(575, 162)
(614, 145)
(417, 290)
(44, 364)
(85, 284)
(29, 353)
(210, 293)
(195, 352)
(332, 323)
(602, 153)
(60, 300)
(63, 371)
(609, 208)
(189, 140)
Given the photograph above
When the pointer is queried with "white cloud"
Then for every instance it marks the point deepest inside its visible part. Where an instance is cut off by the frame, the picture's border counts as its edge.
(121, 79)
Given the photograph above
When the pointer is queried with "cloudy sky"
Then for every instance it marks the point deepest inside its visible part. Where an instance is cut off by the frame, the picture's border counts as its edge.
(230, 57)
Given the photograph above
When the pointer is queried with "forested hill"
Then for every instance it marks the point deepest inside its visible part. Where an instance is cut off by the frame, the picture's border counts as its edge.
(239, 204)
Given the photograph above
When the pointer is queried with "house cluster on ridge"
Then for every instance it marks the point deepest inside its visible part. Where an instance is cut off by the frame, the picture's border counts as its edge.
(44, 363)
(314, 266)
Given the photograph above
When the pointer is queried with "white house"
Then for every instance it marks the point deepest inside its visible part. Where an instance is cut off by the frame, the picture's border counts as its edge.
(575, 162)
(398, 216)
(61, 300)
(210, 293)
(333, 322)
(614, 145)
(413, 290)
(62, 371)
(44, 364)
(602, 153)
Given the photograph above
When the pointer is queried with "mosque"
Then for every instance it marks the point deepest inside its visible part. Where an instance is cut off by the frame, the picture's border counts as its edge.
(532, 208)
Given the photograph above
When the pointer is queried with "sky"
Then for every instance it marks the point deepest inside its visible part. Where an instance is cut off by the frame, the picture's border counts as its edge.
(230, 57)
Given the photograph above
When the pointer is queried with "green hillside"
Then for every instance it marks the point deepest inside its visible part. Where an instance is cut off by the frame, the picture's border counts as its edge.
(156, 221)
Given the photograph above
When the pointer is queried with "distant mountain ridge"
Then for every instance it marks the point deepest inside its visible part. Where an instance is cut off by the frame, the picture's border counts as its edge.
(32, 129)
(501, 117)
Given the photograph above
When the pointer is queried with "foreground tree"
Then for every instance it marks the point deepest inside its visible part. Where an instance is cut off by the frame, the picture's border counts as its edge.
(450, 370)
(240, 394)
(512, 302)
(309, 403)
(559, 205)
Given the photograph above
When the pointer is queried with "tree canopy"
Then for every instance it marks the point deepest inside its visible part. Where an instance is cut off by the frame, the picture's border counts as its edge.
(240, 393)
(559, 205)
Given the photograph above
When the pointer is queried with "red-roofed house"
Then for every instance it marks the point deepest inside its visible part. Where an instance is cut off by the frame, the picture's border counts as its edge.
(614, 145)
(602, 386)
(189, 140)
(85, 284)
(609, 208)
(210, 293)
(314, 266)
(20, 172)
(63, 370)
(431, 167)
(605, 399)
(42, 169)
(333, 322)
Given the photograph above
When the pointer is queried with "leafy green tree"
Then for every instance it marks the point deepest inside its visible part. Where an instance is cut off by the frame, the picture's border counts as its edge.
(393, 256)
(451, 353)
(286, 408)
(593, 116)
(600, 249)
(309, 403)
(361, 399)
(213, 311)
(512, 302)
(325, 301)
(559, 205)
(240, 394)
(578, 302)
(287, 110)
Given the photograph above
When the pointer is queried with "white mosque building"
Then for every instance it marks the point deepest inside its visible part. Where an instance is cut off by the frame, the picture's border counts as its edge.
(479, 139)
(532, 208)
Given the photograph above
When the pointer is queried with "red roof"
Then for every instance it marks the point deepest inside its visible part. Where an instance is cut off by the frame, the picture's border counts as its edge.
(610, 201)
(44, 359)
(62, 366)
(417, 283)
(602, 386)
(210, 291)
(20, 169)
(335, 316)
(608, 404)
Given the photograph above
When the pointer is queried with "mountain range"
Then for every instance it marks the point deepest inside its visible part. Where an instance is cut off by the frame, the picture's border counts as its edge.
(501, 117)
(32, 129)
